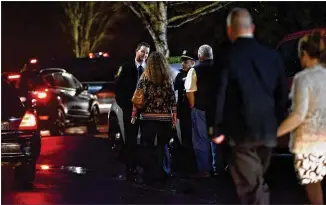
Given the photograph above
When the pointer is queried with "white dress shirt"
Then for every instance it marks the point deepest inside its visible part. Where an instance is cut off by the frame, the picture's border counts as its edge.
(143, 64)
(191, 81)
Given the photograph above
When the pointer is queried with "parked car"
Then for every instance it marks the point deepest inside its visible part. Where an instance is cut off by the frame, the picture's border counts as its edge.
(20, 139)
(105, 93)
(59, 98)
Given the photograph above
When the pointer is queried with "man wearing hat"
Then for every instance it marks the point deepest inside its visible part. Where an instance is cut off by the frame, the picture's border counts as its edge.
(184, 115)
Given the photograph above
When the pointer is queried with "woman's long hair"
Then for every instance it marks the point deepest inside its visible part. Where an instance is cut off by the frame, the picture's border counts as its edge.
(157, 68)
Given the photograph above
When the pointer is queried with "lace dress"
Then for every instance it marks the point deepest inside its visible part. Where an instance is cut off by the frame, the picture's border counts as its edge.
(308, 141)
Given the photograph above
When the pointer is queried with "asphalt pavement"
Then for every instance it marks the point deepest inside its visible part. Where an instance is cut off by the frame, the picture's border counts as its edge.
(81, 169)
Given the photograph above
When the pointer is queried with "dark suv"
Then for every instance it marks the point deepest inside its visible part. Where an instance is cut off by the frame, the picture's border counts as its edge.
(59, 98)
(20, 139)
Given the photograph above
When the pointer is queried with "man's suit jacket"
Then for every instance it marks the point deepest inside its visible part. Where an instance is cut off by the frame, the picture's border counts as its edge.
(126, 82)
(252, 96)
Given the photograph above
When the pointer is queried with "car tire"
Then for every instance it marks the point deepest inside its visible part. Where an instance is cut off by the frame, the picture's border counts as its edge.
(59, 125)
(25, 175)
(93, 121)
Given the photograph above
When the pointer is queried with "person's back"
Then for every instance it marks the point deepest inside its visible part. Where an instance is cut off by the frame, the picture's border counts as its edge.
(159, 100)
(253, 93)
(314, 123)
(250, 102)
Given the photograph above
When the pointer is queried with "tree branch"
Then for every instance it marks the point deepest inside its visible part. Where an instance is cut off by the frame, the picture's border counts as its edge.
(145, 7)
(196, 14)
(176, 3)
(133, 9)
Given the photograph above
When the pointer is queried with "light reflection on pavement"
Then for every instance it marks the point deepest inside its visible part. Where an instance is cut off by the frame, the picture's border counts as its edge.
(82, 169)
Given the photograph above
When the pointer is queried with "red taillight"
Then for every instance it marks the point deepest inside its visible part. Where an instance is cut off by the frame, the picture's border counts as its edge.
(28, 122)
(11, 77)
(45, 167)
(40, 94)
(106, 55)
(105, 95)
(33, 61)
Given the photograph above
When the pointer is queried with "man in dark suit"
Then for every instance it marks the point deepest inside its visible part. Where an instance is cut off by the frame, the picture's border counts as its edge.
(126, 82)
(251, 102)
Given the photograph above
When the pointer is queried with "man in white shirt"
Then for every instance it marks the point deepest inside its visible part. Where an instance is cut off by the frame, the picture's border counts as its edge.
(198, 86)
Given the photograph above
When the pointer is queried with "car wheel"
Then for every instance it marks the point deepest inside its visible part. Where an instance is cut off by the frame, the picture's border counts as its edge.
(25, 175)
(93, 121)
(59, 123)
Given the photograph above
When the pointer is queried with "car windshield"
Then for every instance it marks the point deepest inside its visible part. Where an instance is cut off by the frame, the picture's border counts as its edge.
(289, 54)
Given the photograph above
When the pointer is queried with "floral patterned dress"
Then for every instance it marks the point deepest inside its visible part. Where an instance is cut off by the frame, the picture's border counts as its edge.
(160, 100)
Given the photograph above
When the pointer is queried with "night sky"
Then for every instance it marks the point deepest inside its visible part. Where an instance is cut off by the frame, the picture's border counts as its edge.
(32, 29)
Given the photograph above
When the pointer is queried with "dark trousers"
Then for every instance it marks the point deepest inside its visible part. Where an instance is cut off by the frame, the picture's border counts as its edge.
(129, 152)
(153, 156)
(188, 154)
(247, 167)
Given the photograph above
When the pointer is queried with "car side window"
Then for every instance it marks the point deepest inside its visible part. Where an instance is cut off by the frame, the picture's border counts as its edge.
(69, 81)
(49, 79)
(77, 83)
(59, 80)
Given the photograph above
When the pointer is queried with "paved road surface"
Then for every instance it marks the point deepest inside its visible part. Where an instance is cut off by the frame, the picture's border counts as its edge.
(97, 184)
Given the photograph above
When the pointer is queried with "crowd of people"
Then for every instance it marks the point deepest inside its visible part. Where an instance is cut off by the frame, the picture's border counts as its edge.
(239, 100)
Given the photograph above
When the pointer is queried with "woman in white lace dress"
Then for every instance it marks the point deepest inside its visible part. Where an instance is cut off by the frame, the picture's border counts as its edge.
(308, 119)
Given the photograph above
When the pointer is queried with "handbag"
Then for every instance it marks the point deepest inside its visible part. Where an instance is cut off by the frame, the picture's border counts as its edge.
(138, 98)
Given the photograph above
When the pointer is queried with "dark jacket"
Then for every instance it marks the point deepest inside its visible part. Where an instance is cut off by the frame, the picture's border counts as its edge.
(179, 85)
(126, 82)
(252, 96)
(205, 94)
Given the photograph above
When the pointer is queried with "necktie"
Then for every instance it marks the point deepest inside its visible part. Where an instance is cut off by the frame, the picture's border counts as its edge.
(140, 70)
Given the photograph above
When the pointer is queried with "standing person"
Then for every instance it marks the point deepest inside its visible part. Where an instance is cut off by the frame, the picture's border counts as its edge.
(126, 82)
(198, 86)
(308, 119)
(157, 114)
(184, 115)
(251, 101)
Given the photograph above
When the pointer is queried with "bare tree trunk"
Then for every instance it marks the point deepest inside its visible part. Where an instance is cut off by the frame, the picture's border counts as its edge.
(154, 17)
(158, 29)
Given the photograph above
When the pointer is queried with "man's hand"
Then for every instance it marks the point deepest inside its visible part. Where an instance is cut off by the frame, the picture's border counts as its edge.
(218, 139)
(133, 119)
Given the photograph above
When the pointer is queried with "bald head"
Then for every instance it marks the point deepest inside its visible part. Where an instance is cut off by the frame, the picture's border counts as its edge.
(239, 22)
